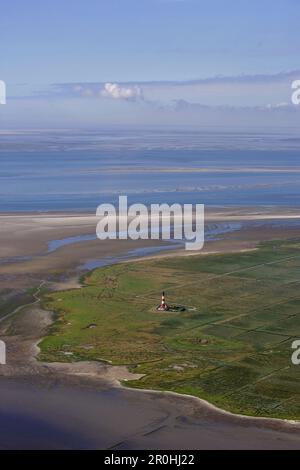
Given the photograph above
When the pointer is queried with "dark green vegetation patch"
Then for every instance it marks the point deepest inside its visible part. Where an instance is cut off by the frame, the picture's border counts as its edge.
(232, 345)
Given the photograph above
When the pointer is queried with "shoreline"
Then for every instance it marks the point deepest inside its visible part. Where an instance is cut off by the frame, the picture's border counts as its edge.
(293, 425)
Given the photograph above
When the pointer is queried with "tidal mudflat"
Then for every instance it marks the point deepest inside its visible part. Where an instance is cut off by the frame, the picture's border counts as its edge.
(35, 415)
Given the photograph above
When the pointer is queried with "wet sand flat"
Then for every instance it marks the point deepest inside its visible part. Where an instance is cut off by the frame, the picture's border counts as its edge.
(25, 239)
(36, 416)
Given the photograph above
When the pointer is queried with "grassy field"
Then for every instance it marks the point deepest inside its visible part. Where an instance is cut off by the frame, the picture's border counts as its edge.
(232, 346)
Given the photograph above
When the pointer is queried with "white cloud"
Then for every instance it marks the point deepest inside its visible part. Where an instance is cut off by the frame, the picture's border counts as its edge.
(271, 92)
(117, 92)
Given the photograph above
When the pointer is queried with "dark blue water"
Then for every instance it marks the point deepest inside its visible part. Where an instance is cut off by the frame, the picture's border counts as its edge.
(79, 180)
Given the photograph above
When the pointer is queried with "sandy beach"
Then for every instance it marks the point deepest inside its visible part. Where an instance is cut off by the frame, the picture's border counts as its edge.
(167, 420)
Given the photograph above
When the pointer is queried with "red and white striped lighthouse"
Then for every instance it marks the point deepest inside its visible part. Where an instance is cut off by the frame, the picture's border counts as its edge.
(163, 307)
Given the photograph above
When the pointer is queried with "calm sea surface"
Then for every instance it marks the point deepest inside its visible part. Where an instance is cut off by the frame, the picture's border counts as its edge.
(78, 180)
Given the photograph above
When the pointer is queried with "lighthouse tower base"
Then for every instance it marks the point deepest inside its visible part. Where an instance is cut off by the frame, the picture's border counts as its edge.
(162, 308)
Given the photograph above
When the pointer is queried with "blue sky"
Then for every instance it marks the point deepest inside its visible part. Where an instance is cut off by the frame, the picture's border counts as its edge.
(160, 57)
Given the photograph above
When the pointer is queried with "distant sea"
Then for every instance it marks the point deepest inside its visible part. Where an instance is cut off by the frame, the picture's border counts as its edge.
(55, 172)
